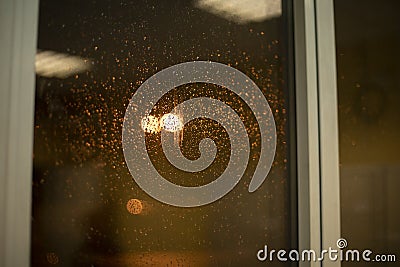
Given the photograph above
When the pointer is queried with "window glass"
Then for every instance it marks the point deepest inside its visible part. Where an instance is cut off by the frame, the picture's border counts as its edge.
(100, 67)
(368, 37)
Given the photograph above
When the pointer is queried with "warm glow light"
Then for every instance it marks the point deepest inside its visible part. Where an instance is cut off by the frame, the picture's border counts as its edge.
(52, 258)
(134, 206)
(242, 11)
(150, 124)
(171, 122)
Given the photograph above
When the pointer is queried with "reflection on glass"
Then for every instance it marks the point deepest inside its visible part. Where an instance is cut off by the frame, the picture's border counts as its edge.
(134, 206)
(369, 124)
(150, 124)
(242, 11)
(171, 122)
(51, 64)
(87, 208)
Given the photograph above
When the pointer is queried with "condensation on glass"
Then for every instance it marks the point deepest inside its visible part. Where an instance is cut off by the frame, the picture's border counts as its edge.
(92, 57)
(368, 41)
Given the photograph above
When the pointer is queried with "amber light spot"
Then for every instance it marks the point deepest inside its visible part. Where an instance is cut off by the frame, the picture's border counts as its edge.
(52, 258)
(134, 206)
(150, 124)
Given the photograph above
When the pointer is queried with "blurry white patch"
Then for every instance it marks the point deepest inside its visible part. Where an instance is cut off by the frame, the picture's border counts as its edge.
(242, 11)
(52, 64)
(171, 122)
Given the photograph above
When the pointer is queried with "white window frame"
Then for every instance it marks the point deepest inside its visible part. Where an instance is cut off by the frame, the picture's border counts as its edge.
(317, 127)
(316, 120)
(18, 33)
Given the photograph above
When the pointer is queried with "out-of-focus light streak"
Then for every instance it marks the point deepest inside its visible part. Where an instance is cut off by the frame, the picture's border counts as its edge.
(242, 11)
(53, 64)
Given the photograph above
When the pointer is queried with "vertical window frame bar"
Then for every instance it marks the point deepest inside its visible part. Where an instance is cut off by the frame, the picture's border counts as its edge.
(317, 128)
(309, 214)
(18, 28)
(328, 120)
